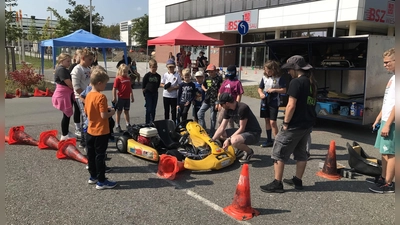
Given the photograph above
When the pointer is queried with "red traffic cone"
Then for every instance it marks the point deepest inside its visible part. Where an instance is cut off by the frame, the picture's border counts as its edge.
(39, 93)
(8, 95)
(48, 93)
(19, 93)
(67, 149)
(48, 140)
(240, 208)
(6, 138)
(169, 166)
(16, 135)
(329, 171)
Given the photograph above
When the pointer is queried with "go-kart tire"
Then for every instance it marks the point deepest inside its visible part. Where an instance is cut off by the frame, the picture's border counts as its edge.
(122, 144)
(176, 153)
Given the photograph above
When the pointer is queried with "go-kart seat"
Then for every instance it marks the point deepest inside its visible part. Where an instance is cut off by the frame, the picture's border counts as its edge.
(166, 131)
(361, 162)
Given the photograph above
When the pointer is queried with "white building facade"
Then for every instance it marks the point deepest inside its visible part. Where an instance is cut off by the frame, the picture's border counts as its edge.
(268, 19)
(125, 28)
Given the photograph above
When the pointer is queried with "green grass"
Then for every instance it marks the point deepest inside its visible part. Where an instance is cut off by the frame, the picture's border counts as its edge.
(34, 61)
(251, 91)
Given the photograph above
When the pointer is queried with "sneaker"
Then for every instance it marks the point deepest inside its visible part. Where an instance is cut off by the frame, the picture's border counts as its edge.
(118, 129)
(63, 138)
(246, 156)
(267, 144)
(78, 133)
(87, 167)
(382, 189)
(92, 180)
(107, 184)
(108, 169)
(294, 182)
(376, 180)
(275, 186)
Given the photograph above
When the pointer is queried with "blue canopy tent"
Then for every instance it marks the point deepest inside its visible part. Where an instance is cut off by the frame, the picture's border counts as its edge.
(81, 38)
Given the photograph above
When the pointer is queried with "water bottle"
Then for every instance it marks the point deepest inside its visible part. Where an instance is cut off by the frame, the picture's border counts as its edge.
(263, 105)
(353, 109)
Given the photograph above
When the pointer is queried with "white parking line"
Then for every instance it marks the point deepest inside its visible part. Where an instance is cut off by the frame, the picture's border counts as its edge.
(188, 192)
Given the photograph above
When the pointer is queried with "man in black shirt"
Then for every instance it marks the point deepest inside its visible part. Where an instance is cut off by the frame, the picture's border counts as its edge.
(249, 130)
(299, 119)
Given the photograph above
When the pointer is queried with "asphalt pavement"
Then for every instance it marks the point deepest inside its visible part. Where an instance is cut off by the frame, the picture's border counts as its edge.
(41, 189)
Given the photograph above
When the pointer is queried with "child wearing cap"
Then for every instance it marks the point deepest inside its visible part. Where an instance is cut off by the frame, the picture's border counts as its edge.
(200, 94)
(170, 82)
(232, 86)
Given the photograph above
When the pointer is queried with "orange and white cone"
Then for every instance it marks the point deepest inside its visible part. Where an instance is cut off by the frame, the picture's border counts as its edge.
(240, 208)
(169, 166)
(329, 171)
(48, 140)
(67, 149)
(16, 135)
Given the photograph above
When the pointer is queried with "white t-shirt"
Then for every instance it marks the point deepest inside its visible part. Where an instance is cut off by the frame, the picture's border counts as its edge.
(80, 78)
(389, 99)
(175, 80)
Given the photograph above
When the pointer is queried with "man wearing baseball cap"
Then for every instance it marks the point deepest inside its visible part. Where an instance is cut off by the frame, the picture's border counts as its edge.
(296, 128)
(249, 130)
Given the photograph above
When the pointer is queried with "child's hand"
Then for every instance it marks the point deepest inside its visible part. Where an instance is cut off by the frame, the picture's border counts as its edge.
(187, 103)
(132, 99)
(114, 100)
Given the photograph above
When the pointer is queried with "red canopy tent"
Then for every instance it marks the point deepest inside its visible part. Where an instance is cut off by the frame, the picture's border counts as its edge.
(185, 34)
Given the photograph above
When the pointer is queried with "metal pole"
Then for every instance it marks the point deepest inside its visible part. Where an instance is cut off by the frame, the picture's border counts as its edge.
(240, 57)
(336, 18)
(90, 16)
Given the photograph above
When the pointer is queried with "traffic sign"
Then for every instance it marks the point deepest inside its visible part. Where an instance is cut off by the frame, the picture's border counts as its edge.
(243, 27)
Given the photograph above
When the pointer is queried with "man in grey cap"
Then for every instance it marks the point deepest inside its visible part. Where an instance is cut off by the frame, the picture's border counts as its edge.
(296, 128)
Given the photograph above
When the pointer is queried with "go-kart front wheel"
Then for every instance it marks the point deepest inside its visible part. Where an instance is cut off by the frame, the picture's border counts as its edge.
(122, 144)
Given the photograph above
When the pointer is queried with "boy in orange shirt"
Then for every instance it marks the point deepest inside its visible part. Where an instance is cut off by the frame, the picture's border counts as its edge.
(98, 130)
(123, 84)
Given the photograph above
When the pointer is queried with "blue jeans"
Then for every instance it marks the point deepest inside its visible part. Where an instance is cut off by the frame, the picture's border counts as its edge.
(204, 107)
(151, 100)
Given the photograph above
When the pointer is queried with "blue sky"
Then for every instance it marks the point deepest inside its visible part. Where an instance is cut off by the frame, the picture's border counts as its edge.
(113, 11)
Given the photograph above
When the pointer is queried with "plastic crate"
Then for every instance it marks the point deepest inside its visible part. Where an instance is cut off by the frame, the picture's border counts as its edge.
(330, 107)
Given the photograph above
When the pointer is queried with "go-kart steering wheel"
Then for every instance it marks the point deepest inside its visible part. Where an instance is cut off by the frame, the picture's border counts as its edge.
(181, 126)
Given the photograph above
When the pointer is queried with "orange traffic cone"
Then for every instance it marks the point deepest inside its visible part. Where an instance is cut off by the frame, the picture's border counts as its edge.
(39, 93)
(48, 93)
(329, 171)
(240, 208)
(6, 139)
(169, 166)
(16, 135)
(8, 95)
(48, 140)
(19, 93)
(67, 149)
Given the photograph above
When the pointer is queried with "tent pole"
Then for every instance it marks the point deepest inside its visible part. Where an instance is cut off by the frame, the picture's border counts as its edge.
(103, 50)
(147, 52)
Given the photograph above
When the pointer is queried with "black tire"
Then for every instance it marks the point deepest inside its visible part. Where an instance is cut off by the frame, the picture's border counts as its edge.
(176, 153)
(122, 143)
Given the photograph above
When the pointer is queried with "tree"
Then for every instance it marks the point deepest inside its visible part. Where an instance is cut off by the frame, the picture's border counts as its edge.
(45, 30)
(140, 30)
(79, 18)
(111, 32)
(63, 26)
(33, 34)
(12, 31)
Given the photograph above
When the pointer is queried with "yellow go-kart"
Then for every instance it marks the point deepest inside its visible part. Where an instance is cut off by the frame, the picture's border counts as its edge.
(187, 141)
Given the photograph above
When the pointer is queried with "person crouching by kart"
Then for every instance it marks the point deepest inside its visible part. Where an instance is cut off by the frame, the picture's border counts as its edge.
(249, 131)
(123, 84)
(186, 93)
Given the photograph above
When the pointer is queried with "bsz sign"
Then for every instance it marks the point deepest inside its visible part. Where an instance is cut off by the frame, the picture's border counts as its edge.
(377, 12)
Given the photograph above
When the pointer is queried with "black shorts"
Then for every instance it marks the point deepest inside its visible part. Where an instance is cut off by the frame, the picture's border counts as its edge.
(270, 112)
(123, 103)
(250, 138)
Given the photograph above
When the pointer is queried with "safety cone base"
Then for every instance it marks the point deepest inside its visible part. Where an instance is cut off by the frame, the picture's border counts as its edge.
(48, 140)
(328, 176)
(241, 214)
(16, 135)
(67, 149)
(169, 166)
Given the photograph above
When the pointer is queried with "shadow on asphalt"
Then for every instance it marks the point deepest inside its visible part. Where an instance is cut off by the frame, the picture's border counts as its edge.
(271, 211)
(344, 184)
